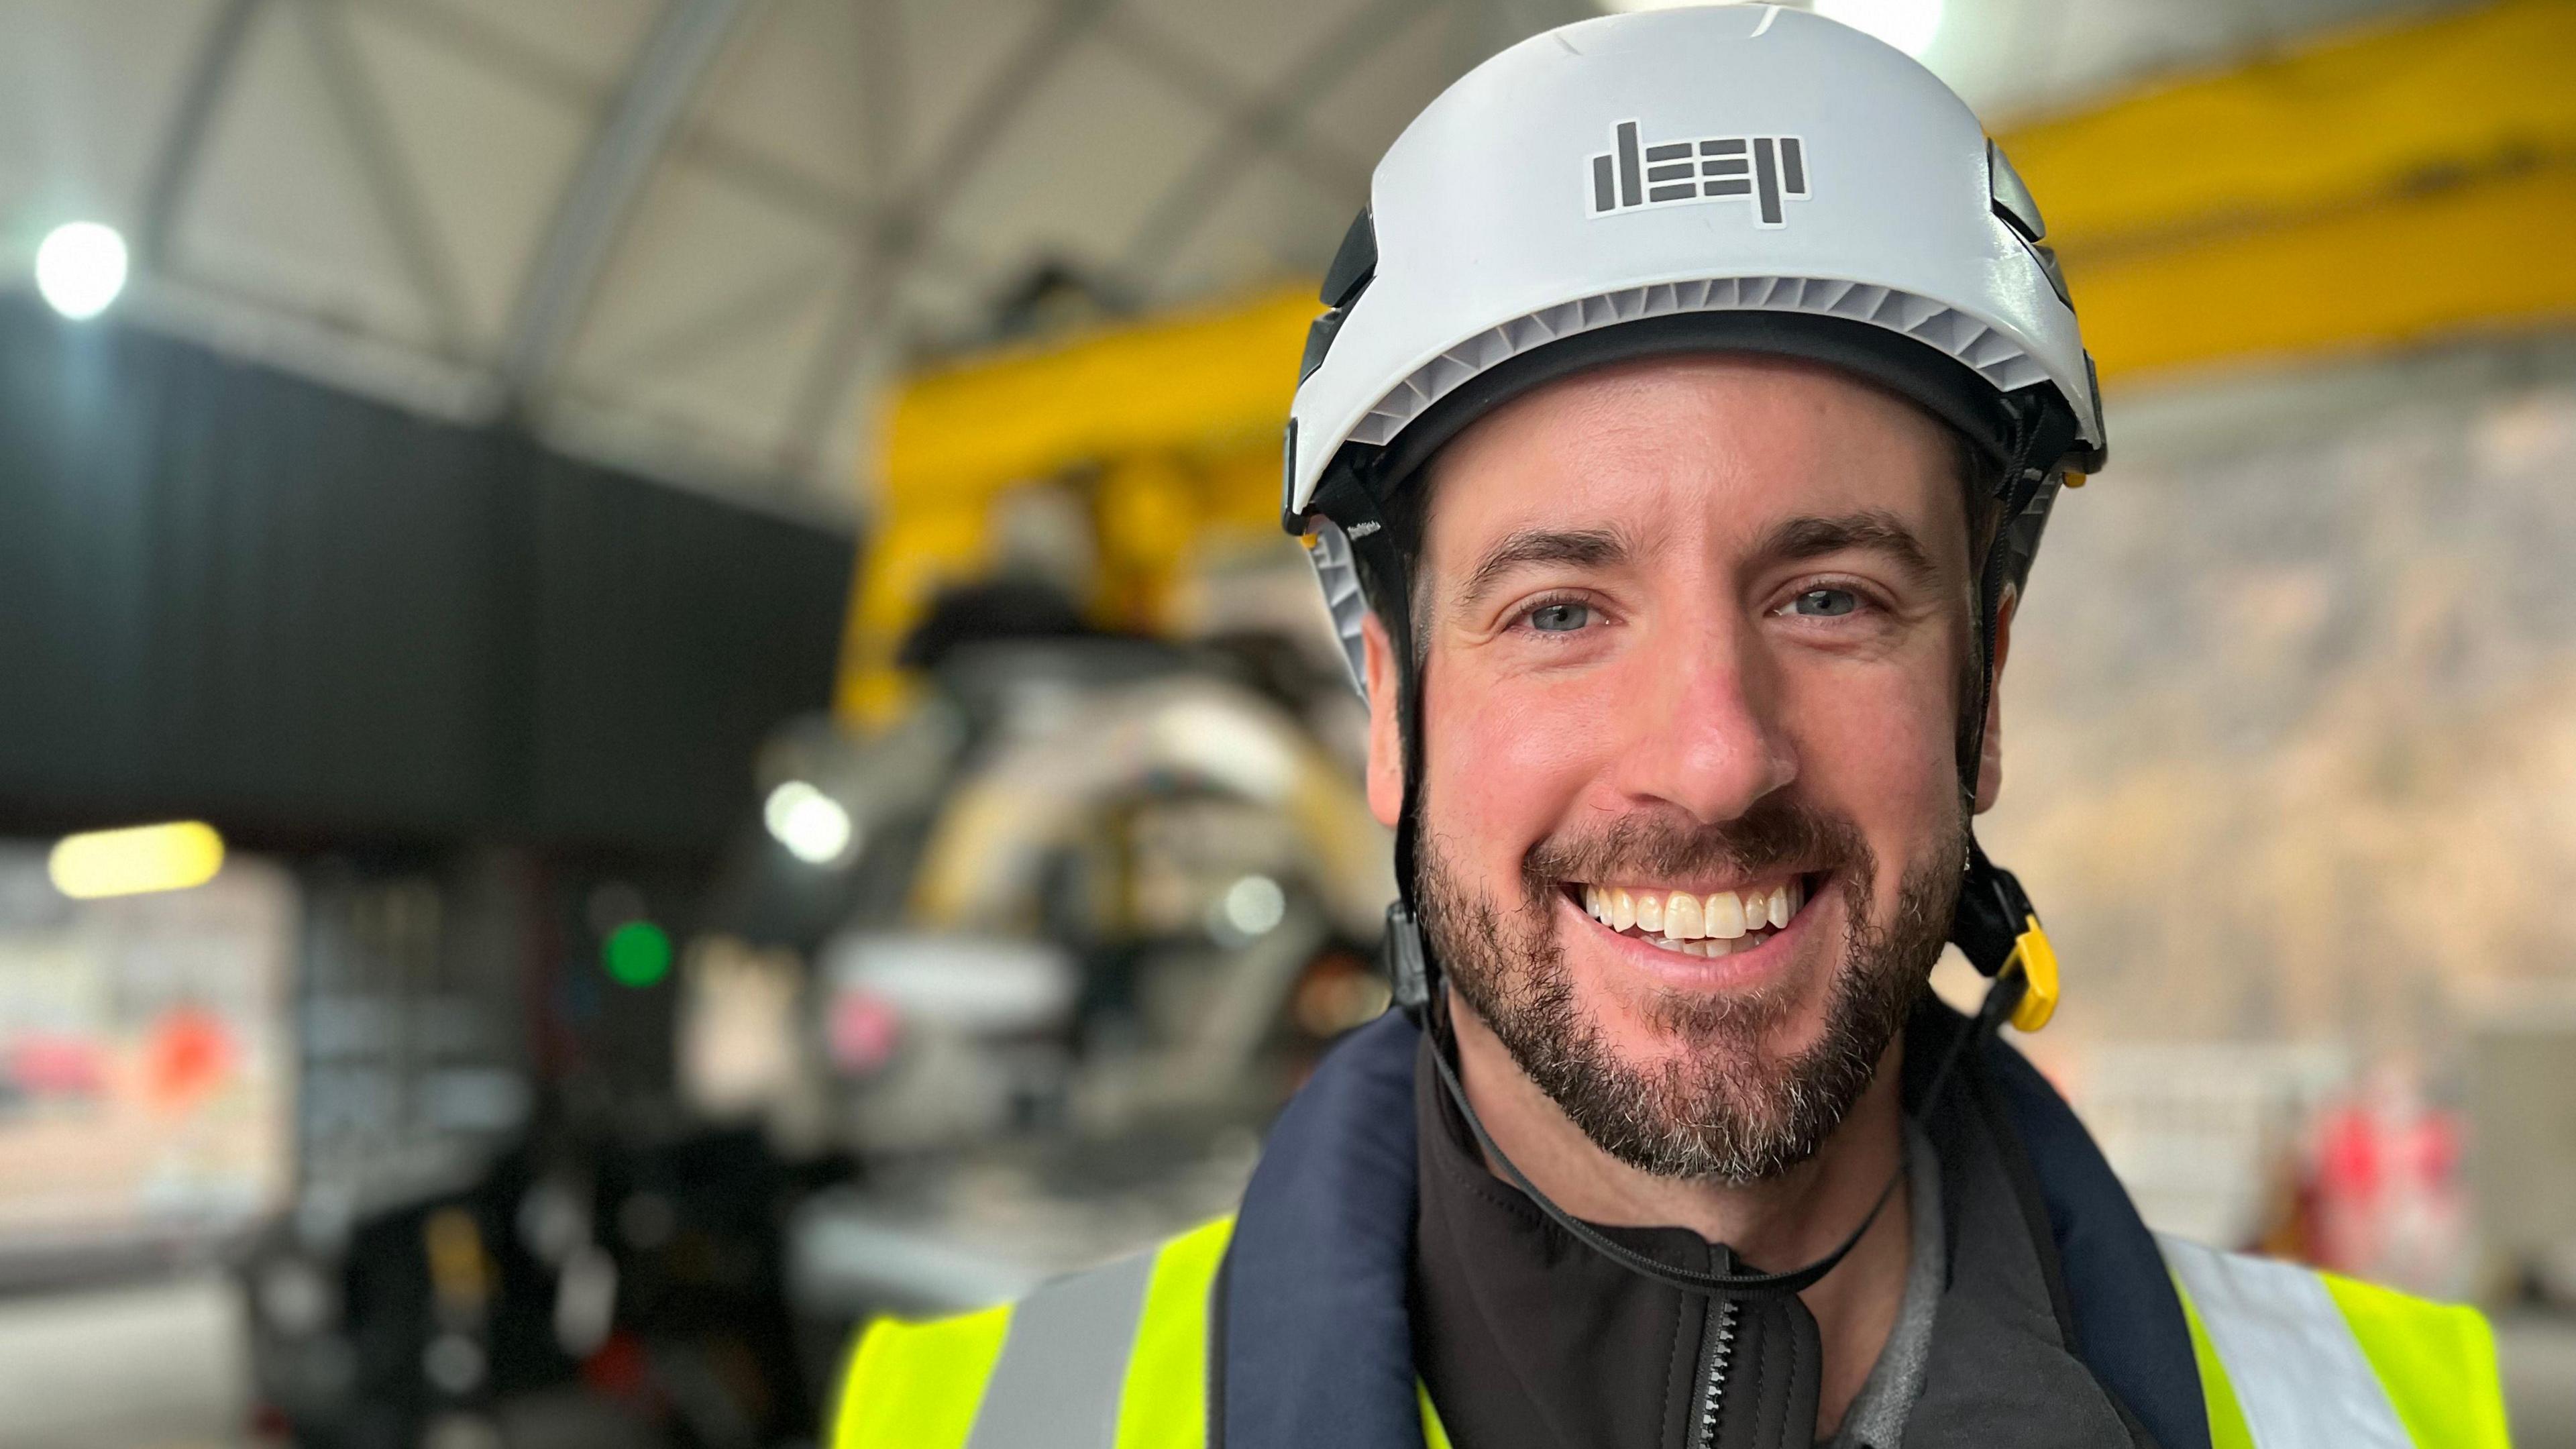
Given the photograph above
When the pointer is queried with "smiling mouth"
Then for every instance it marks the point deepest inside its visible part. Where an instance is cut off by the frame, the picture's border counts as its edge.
(1714, 923)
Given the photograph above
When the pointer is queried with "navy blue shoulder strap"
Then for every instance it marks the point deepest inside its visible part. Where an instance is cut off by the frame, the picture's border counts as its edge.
(2129, 1326)
(1318, 1346)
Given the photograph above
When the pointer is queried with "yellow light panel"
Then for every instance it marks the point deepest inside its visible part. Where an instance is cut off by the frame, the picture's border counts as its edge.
(141, 858)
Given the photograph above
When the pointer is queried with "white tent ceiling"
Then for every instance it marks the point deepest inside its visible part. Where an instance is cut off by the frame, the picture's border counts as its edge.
(694, 236)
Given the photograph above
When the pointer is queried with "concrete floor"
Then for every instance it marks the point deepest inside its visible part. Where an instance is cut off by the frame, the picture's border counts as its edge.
(154, 1366)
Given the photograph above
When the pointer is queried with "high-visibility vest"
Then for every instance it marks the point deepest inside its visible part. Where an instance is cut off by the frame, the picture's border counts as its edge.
(1116, 1358)
(2294, 1357)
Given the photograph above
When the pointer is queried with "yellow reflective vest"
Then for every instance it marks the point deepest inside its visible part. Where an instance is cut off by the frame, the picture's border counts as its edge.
(1117, 1358)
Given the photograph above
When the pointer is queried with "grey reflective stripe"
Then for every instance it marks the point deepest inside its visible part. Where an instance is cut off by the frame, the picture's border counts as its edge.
(2296, 1369)
(1064, 1361)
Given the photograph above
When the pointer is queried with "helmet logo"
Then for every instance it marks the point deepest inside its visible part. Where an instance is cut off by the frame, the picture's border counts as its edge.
(1771, 170)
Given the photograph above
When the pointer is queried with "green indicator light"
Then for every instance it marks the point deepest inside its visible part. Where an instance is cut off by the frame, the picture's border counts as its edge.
(637, 954)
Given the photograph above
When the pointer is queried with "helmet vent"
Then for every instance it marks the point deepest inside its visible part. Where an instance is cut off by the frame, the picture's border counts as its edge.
(1991, 353)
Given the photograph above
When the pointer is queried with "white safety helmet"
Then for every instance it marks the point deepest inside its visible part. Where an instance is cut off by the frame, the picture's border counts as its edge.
(1741, 178)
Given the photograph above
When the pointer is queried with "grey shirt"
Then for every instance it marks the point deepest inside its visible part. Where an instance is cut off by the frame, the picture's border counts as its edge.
(1876, 1418)
(1528, 1340)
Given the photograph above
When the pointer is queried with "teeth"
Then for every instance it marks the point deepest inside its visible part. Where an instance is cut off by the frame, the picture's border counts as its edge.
(1672, 918)
(1682, 917)
(1725, 917)
(1667, 943)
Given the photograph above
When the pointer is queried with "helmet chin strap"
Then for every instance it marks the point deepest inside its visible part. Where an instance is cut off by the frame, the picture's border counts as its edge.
(1993, 924)
(1404, 935)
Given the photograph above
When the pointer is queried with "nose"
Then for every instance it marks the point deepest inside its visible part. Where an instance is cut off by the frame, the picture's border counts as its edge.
(1705, 734)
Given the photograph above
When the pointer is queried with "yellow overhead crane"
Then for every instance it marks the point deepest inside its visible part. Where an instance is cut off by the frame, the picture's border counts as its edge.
(2381, 186)
(1174, 423)
(2384, 185)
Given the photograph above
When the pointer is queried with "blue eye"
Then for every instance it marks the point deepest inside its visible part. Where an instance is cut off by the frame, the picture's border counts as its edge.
(1824, 603)
(1560, 618)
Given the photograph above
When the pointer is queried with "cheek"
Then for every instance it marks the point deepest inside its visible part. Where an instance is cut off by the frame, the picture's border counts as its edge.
(1509, 760)
(1876, 745)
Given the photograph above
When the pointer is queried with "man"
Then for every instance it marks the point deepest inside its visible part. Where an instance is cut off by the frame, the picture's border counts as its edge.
(1673, 452)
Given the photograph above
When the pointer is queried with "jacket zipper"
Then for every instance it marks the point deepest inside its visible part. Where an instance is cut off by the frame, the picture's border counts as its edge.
(1712, 1392)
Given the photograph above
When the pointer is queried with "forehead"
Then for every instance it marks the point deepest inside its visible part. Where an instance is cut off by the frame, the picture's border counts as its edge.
(1704, 447)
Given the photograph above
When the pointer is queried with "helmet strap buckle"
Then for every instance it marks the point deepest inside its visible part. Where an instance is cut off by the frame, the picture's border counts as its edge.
(1408, 965)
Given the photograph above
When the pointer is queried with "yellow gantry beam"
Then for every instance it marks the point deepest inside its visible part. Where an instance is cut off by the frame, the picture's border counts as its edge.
(1181, 416)
(1189, 381)
(2380, 186)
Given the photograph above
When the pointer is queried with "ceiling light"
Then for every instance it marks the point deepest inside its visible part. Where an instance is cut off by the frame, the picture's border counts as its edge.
(80, 267)
(813, 826)
(130, 862)
(1909, 25)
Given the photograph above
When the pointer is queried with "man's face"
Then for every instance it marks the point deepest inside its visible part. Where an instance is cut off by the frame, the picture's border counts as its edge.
(1695, 633)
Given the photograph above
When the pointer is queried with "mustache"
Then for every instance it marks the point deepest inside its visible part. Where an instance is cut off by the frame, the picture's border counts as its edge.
(1778, 834)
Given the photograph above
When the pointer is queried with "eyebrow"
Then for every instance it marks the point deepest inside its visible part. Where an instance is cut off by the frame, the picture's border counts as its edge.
(1872, 530)
(1582, 548)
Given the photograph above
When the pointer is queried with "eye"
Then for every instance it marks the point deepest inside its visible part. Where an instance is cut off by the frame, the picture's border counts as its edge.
(1823, 604)
(1562, 617)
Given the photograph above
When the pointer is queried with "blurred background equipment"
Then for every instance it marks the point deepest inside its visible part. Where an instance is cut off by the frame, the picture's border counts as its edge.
(654, 702)
(147, 1076)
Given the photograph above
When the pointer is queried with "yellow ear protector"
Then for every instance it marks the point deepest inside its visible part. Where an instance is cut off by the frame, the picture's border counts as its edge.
(2038, 962)
(1997, 929)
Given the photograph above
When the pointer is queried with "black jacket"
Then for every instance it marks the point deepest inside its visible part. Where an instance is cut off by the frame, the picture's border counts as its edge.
(1313, 1344)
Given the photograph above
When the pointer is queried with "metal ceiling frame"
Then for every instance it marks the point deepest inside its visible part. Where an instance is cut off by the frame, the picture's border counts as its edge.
(814, 200)
(1186, 204)
(396, 190)
(648, 119)
(473, 39)
(1274, 124)
(651, 104)
(1324, 163)
(883, 80)
(739, 315)
(183, 137)
(887, 249)
(885, 91)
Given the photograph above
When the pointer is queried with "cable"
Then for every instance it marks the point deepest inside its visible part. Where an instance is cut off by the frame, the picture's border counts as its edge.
(1416, 977)
(1998, 1003)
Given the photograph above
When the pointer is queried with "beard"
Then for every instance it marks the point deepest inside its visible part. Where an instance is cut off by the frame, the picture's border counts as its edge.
(1723, 1104)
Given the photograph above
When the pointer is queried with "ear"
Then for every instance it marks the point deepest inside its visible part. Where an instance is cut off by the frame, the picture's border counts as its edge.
(1386, 731)
(1990, 756)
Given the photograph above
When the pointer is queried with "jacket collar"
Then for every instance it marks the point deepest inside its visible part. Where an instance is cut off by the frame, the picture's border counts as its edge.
(1316, 1347)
